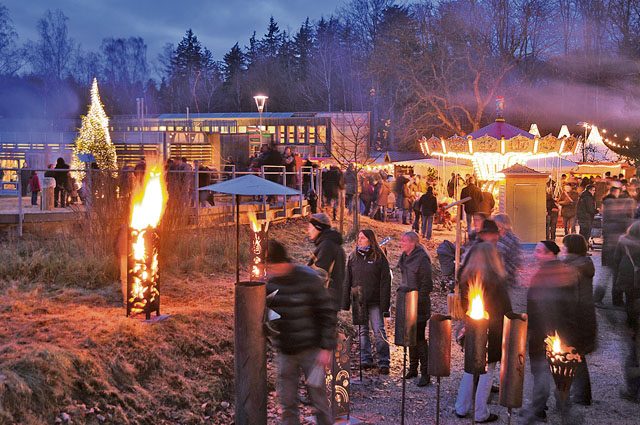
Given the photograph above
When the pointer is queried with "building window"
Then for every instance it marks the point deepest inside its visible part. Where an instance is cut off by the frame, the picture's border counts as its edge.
(233, 129)
(242, 129)
(282, 133)
(291, 136)
(224, 129)
(271, 129)
(301, 133)
(312, 134)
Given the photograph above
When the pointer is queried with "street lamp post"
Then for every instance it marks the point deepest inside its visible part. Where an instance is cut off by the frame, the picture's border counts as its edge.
(261, 101)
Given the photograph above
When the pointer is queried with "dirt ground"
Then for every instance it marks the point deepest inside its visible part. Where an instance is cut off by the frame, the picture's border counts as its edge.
(70, 356)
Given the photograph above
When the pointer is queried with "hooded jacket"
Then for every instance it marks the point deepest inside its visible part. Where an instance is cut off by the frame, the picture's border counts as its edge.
(374, 276)
(330, 256)
(416, 275)
(586, 309)
(586, 208)
(308, 318)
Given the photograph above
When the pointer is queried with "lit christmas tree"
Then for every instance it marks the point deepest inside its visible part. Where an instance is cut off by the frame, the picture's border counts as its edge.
(93, 137)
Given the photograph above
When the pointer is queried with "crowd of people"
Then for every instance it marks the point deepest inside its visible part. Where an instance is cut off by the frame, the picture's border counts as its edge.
(561, 297)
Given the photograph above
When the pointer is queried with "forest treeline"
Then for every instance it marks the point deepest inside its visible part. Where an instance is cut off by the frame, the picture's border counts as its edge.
(422, 67)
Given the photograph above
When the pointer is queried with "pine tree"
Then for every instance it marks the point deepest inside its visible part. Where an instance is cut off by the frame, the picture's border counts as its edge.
(93, 137)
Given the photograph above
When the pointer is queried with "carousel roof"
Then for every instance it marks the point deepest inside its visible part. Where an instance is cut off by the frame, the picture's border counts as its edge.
(499, 130)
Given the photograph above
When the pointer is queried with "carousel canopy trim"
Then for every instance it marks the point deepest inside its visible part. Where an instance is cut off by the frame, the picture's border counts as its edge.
(499, 146)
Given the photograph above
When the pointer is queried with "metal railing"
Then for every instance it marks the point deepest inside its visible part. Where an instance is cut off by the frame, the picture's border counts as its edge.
(177, 181)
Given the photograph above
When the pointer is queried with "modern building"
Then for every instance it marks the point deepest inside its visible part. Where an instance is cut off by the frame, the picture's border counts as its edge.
(211, 138)
(205, 137)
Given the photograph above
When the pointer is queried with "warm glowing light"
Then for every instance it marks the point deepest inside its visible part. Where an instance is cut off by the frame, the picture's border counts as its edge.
(476, 302)
(564, 132)
(258, 245)
(534, 130)
(554, 344)
(149, 203)
(260, 101)
(626, 139)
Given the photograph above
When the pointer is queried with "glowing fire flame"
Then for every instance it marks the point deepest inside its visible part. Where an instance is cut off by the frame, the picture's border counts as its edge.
(554, 343)
(257, 266)
(476, 303)
(148, 204)
(150, 201)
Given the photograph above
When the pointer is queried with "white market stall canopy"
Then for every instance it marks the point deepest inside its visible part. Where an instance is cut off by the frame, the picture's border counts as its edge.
(552, 165)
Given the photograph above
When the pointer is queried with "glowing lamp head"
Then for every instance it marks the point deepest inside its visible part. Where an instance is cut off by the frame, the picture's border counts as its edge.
(261, 100)
(476, 302)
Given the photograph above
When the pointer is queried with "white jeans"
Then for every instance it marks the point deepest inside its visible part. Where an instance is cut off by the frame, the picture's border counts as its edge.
(464, 401)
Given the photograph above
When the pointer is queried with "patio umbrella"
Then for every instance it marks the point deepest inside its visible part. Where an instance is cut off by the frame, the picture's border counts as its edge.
(248, 185)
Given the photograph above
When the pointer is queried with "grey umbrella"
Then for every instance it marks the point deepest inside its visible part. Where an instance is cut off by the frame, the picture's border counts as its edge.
(248, 185)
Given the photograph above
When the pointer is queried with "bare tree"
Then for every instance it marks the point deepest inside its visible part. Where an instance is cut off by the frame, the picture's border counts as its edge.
(10, 54)
(350, 149)
(51, 55)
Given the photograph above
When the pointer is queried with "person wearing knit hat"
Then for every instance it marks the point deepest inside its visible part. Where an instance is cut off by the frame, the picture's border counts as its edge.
(305, 332)
(552, 306)
(329, 254)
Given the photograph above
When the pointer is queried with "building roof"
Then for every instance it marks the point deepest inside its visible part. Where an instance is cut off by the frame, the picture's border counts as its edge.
(397, 156)
(519, 169)
(500, 129)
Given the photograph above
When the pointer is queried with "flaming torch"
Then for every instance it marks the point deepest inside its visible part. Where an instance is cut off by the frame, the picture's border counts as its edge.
(259, 239)
(563, 361)
(148, 204)
(476, 338)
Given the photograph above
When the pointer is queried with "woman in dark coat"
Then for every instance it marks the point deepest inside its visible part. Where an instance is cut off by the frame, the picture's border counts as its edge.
(575, 250)
(62, 189)
(367, 288)
(484, 267)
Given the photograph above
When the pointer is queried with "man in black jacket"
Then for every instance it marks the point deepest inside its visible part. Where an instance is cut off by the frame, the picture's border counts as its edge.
(329, 254)
(472, 206)
(428, 207)
(586, 210)
(415, 266)
(306, 332)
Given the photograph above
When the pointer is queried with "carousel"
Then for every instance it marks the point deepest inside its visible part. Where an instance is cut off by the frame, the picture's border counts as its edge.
(500, 145)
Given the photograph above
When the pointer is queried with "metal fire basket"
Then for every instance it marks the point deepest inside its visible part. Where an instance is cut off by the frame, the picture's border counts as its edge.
(143, 283)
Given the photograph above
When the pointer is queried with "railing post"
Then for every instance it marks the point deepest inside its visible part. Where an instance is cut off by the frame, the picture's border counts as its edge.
(319, 186)
(20, 212)
(196, 192)
(300, 180)
(233, 198)
(284, 183)
(264, 198)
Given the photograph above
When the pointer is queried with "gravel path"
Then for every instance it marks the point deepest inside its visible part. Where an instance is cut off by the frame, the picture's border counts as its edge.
(378, 400)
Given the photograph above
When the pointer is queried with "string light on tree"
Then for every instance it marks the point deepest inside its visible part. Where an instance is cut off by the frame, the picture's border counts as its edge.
(93, 137)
